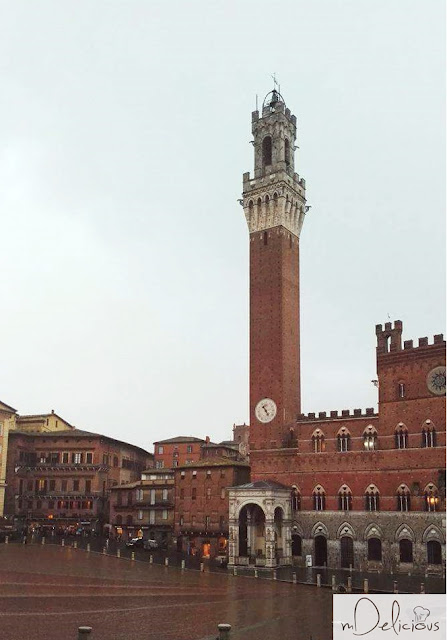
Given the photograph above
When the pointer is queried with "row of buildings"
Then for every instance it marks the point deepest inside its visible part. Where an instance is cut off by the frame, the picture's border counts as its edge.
(60, 477)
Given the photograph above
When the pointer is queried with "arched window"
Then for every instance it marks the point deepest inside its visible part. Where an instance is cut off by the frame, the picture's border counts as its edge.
(318, 441)
(401, 436)
(265, 237)
(119, 519)
(296, 544)
(431, 498)
(129, 520)
(401, 390)
(370, 438)
(295, 498)
(287, 151)
(344, 498)
(319, 497)
(428, 435)
(372, 498)
(434, 553)
(405, 550)
(267, 151)
(115, 461)
(375, 549)
(403, 498)
(343, 440)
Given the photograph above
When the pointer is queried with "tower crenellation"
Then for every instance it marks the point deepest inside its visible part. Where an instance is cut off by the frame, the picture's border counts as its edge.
(276, 195)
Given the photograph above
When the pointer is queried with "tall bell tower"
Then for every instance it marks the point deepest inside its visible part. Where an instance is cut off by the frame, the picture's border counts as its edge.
(274, 202)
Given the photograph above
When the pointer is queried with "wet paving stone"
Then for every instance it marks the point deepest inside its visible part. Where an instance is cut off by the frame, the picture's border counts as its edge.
(49, 591)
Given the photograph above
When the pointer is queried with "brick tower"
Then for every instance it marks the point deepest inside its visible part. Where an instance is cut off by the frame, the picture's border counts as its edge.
(275, 205)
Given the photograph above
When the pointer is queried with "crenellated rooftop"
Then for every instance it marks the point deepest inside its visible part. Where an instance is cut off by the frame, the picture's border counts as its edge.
(337, 415)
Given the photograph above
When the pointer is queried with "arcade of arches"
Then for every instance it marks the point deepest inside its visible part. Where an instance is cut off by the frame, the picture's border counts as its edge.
(266, 530)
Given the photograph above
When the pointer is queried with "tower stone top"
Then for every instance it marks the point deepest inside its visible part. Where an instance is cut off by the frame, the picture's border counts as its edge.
(275, 195)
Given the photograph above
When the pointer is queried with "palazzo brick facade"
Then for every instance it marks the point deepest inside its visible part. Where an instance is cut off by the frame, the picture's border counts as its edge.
(365, 489)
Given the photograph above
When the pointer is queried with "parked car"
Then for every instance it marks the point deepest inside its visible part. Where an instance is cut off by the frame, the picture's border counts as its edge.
(150, 544)
(138, 543)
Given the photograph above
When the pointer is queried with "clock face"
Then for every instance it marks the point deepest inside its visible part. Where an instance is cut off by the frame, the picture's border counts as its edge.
(265, 410)
(436, 381)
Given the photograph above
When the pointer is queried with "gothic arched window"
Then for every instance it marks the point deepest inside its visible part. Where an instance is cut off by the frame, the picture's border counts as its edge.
(372, 498)
(344, 498)
(403, 498)
(318, 441)
(431, 498)
(295, 498)
(428, 435)
(319, 497)
(401, 436)
(370, 438)
(343, 440)
(267, 151)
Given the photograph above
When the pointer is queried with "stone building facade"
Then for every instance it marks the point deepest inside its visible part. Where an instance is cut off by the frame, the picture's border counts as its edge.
(145, 507)
(10, 420)
(64, 478)
(365, 489)
(8, 417)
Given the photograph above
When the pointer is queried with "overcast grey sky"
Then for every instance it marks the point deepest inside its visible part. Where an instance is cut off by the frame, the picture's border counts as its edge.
(125, 130)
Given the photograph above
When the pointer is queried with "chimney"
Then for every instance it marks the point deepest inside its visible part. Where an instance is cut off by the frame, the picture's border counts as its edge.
(207, 439)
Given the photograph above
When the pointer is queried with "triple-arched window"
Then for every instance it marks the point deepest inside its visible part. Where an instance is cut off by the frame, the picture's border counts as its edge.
(370, 438)
(343, 440)
(431, 498)
(428, 435)
(319, 497)
(344, 498)
(401, 436)
(295, 497)
(318, 445)
(372, 498)
(403, 498)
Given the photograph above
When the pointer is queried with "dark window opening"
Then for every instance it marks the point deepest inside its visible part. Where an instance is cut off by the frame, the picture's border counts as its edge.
(267, 151)
(406, 550)
(375, 549)
(434, 554)
(287, 151)
(296, 545)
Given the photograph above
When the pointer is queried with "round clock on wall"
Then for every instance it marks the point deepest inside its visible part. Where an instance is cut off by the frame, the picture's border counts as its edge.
(265, 410)
(436, 381)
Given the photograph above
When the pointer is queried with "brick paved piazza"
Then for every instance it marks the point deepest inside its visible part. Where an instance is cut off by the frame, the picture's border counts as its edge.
(48, 591)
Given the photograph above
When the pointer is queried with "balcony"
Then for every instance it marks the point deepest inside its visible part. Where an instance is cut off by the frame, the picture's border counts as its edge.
(57, 466)
(59, 495)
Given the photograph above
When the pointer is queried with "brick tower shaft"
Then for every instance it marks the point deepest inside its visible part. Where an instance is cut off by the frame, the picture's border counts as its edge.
(274, 205)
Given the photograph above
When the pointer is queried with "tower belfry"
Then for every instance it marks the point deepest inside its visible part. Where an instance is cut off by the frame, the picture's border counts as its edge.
(274, 204)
